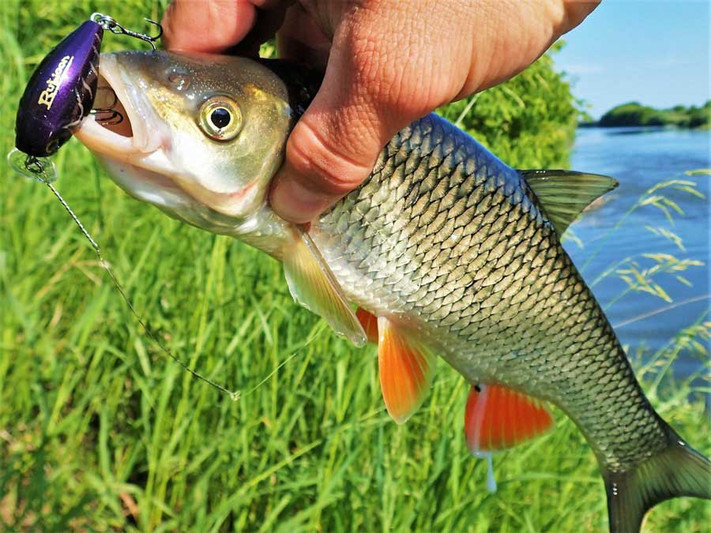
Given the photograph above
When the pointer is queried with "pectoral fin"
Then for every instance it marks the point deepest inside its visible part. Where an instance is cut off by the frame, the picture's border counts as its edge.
(497, 418)
(405, 369)
(564, 193)
(313, 285)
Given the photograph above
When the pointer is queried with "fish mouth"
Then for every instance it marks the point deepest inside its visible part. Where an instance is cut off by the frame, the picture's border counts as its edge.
(132, 140)
(126, 133)
(130, 131)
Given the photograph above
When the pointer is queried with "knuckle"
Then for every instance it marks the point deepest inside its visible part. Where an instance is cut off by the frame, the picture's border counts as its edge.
(323, 166)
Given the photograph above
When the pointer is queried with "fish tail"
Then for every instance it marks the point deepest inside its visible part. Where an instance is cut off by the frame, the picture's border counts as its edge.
(676, 470)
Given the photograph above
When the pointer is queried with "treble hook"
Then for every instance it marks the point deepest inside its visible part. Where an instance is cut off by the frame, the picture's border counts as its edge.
(105, 114)
(110, 24)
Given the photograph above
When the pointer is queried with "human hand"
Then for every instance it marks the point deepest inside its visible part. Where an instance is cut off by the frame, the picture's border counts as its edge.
(386, 63)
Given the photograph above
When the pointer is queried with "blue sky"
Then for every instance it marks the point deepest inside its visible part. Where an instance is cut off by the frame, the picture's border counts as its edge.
(652, 51)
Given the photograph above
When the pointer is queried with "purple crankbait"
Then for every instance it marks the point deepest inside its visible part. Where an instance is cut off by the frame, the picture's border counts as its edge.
(61, 93)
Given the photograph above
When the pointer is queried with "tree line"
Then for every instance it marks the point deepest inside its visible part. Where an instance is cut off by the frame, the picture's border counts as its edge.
(636, 114)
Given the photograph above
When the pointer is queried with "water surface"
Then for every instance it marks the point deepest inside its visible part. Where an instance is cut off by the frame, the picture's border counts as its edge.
(640, 158)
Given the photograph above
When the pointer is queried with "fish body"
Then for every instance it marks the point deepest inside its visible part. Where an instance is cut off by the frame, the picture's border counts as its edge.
(452, 244)
(451, 252)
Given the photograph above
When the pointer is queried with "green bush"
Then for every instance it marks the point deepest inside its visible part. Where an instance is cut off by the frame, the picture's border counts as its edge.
(529, 121)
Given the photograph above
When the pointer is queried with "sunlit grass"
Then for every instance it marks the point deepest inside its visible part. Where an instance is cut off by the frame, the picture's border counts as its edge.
(100, 431)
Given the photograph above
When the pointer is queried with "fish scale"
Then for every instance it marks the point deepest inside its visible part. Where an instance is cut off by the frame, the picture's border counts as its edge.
(426, 177)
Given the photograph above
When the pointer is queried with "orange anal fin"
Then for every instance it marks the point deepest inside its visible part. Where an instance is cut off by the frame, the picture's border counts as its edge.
(369, 323)
(497, 418)
(405, 369)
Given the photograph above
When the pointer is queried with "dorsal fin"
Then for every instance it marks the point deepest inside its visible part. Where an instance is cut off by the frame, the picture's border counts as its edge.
(405, 368)
(498, 418)
(313, 285)
(565, 193)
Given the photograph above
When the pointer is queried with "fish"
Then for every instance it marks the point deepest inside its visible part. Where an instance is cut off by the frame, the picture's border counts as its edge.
(443, 252)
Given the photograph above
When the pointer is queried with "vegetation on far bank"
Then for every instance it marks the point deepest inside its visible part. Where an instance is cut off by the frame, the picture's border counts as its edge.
(529, 121)
(636, 114)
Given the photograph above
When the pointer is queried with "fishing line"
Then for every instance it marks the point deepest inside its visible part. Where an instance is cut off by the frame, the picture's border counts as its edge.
(39, 134)
(234, 395)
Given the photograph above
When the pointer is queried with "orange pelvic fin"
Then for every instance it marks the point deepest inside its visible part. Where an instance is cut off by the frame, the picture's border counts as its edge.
(498, 418)
(406, 370)
(370, 324)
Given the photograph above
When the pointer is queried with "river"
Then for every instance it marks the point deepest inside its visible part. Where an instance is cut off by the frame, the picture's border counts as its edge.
(641, 158)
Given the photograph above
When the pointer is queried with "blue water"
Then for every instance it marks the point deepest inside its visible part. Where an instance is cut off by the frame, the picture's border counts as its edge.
(640, 158)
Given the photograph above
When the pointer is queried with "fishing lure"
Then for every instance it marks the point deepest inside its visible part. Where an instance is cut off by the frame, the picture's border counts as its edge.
(61, 93)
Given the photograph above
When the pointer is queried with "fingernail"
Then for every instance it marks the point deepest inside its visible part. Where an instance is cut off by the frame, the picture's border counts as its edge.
(294, 202)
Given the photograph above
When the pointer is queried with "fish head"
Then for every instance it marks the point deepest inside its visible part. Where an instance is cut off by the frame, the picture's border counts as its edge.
(199, 136)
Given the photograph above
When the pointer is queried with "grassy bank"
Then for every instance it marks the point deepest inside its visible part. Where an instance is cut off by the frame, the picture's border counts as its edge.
(101, 432)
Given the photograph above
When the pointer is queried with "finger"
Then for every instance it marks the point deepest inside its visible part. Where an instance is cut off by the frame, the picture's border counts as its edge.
(335, 145)
(576, 12)
(329, 153)
(300, 39)
(207, 26)
(264, 28)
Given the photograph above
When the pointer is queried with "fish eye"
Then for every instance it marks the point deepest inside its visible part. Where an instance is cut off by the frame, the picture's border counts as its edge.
(220, 118)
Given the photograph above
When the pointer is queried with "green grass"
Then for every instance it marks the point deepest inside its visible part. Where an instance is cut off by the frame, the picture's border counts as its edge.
(99, 431)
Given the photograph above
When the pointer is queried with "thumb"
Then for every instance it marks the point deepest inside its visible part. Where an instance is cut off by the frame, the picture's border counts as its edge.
(206, 25)
(333, 147)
